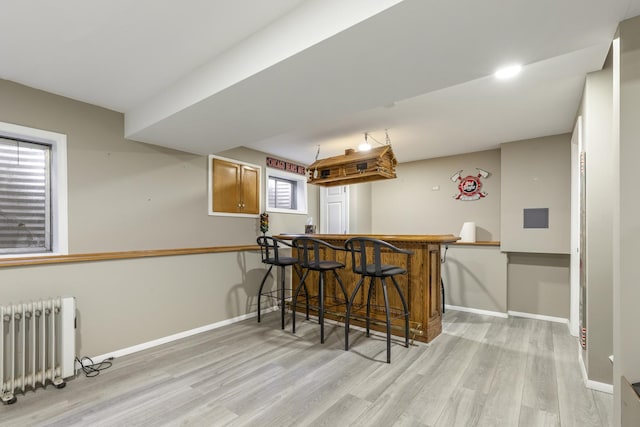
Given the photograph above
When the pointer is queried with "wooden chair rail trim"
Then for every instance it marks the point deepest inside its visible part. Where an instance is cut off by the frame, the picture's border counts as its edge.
(104, 256)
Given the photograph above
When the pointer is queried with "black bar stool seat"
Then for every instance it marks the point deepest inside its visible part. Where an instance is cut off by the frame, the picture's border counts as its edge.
(325, 265)
(309, 259)
(366, 260)
(270, 250)
(386, 270)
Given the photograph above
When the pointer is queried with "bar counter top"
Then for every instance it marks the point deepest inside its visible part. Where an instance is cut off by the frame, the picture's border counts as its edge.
(434, 238)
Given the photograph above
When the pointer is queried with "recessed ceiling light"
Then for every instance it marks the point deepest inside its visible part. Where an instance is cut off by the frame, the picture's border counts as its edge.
(508, 72)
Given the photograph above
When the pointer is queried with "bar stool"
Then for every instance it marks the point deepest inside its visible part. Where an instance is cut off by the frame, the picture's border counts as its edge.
(270, 251)
(366, 261)
(309, 259)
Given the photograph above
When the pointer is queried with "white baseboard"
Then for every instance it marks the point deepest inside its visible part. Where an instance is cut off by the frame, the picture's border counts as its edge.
(603, 387)
(539, 317)
(593, 385)
(583, 368)
(476, 311)
(174, 337)
(508, 313)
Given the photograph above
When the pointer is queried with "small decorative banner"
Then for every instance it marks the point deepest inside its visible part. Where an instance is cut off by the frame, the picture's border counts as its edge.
(469, 187)
(286, 166)
(264, 222)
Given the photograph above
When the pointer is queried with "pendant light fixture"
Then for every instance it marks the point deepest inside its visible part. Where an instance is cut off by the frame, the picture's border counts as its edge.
(366, 165)
(364, 145)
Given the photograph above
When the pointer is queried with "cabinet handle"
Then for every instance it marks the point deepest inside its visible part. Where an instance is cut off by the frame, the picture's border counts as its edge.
(239, 205)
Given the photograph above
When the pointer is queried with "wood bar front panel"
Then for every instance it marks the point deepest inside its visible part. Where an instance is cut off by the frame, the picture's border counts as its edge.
(421, 287)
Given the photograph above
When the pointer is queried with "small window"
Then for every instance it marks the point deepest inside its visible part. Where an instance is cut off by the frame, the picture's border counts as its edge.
(282, 193)
(25, 197)
(33, 192)
(286, 192)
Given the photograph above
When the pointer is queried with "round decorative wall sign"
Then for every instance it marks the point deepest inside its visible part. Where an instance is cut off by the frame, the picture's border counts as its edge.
(469, 187)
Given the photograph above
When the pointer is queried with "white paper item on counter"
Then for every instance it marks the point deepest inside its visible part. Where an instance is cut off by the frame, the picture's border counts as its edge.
(468, 232)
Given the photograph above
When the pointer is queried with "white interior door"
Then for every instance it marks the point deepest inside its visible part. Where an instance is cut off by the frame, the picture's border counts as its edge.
(334, 210)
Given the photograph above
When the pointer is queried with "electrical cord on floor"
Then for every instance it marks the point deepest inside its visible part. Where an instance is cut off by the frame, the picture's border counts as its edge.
(444, 257)
(91, 369)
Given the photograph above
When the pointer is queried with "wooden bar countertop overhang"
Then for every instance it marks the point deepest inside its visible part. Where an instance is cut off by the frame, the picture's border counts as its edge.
(421, 284)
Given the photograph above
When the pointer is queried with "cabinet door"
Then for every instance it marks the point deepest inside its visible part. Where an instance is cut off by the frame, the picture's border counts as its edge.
(226, 186)
(250, 190)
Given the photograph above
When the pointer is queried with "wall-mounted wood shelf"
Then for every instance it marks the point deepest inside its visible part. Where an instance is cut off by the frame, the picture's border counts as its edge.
(105, 256)
(484, 243)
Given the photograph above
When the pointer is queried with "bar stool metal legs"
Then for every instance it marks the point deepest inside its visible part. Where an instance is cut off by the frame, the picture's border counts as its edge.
(405, 309)
(270, 250)
(321, 298)
(281, 293)
(312, 256)
(367, 262)
(372, 284)
(264, 280)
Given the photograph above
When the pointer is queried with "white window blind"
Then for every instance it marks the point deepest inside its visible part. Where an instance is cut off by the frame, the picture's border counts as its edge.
(282, 193)
(286, 192)
(25, 197)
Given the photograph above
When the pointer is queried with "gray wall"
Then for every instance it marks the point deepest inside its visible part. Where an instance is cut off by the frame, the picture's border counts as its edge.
(124, 303)
(418, 209)
(626, 232)
(360, 213)
(597, 140)
(123, 196)
(536, 173)
(476, 277)
(539, 284)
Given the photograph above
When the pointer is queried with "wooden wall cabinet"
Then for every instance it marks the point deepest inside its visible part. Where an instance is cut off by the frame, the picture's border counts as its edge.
(234, 187)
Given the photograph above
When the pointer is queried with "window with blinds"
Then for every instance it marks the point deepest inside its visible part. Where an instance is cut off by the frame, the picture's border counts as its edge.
(25, 197)
(282, 193)
(286, 192)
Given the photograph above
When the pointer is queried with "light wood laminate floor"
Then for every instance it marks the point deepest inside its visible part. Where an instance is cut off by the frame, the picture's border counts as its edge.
(482, 371)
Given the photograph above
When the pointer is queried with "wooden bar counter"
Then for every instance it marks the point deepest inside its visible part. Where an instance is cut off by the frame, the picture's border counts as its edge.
(421, 284)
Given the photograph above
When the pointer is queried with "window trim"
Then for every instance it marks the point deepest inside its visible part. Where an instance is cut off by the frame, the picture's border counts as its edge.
(59, 206)
(301, 186)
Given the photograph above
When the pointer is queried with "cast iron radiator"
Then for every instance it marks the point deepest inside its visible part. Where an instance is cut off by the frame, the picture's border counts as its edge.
(37, 345)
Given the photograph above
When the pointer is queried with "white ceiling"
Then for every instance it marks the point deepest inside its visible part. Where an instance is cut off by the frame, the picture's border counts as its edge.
(287, 76)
